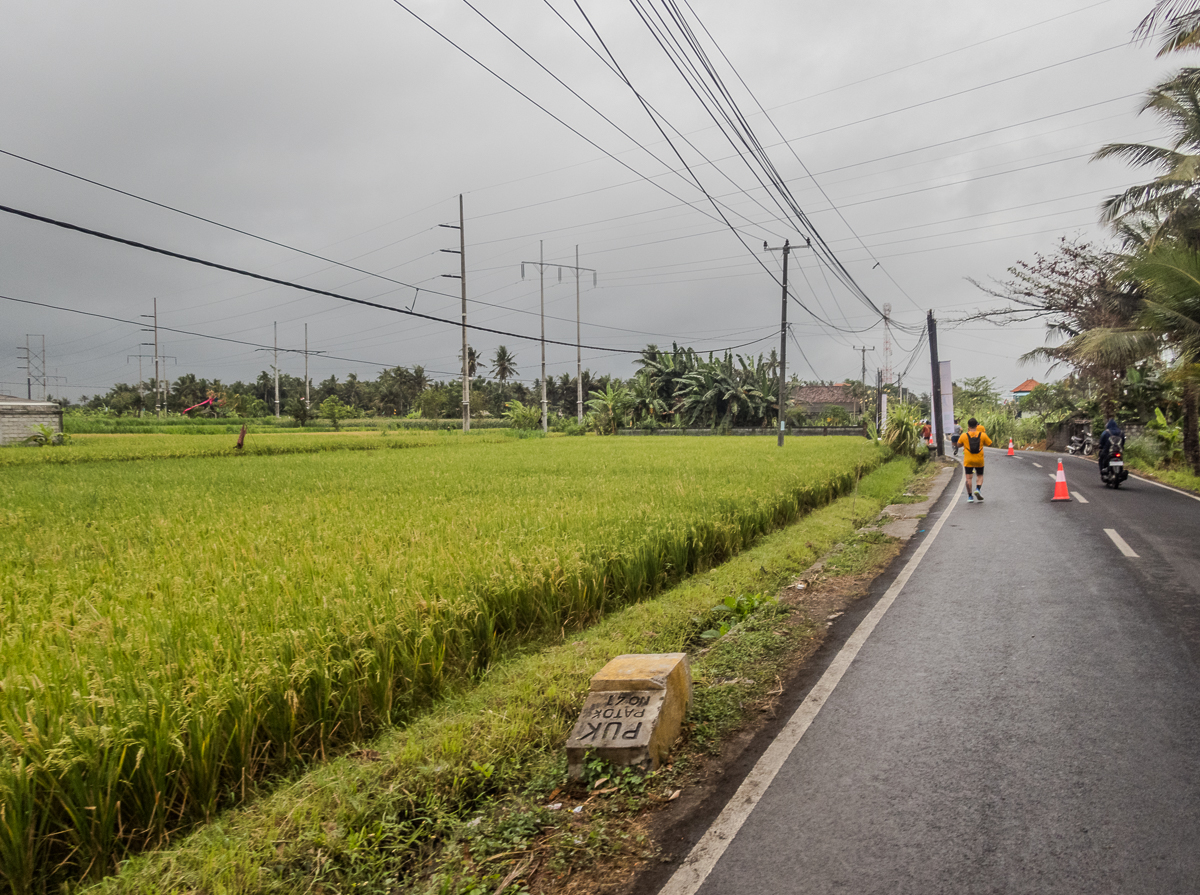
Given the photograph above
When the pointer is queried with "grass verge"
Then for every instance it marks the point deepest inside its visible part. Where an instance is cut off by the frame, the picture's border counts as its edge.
(472, 796)
(1176, 478)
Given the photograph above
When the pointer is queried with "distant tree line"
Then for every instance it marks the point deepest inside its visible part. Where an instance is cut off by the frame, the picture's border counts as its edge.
(679, 388)
(397, 391)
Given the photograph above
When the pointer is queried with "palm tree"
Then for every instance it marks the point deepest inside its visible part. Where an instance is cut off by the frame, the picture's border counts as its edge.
(472, 361)
(1170, 276)
(504, 368)
(1177, 22)
(1169, 204)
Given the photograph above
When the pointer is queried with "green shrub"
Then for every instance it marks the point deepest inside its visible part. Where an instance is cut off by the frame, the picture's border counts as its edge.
(44, 436)
(1146, 449)
(903, 432)
(521, 417)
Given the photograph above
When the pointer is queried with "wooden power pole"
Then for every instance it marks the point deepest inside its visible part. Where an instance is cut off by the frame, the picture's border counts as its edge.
(935, 400)
(787, 250)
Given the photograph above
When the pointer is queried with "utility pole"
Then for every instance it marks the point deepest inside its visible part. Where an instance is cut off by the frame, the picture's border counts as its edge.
(578, 343)
(462, 277)
(864, 349)
(276, 366)
(275, 350)
(542, 305)
(158, 400)
(936, 392)
(159, 395)
(878, 398)
(786, 249)
(541, 265)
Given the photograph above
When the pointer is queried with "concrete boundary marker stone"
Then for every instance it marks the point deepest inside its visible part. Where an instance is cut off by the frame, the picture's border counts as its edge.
(633, 712)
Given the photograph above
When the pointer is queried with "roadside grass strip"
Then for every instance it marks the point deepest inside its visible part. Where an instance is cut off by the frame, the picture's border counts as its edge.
(473, 792)
(1181, 481)
(175, 632)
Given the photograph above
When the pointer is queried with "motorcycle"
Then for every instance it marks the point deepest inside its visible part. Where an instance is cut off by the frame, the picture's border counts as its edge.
(1081, 445)
(1114, 472)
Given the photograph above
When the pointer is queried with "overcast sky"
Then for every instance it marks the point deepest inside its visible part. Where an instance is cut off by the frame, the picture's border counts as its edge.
(928, 142)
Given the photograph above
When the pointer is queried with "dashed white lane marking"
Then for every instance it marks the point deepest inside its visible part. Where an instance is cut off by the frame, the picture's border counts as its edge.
(1079, 497)
(1053, 475)
(1038, 465)
(703, 858)
(1120, 542)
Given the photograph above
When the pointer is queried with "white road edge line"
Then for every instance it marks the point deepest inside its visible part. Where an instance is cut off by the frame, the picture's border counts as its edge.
(1079, 497)
(1168, 487)
(1120, 542)
(1141, 478)
(703, 858)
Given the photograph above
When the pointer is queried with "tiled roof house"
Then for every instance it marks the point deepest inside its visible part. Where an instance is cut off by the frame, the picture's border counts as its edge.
(808, 398)
(1025, 388)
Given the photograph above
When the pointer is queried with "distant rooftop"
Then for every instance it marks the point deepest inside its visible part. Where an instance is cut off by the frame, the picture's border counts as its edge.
(1026, 387)
(13, 399)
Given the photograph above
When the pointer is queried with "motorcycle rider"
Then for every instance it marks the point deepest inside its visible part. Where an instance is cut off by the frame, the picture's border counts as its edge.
(1111, 431)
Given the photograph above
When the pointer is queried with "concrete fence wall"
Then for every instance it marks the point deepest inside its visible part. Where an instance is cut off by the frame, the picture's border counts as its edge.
(18, 419)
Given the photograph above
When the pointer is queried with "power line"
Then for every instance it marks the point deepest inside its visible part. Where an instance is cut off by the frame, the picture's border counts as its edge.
(258, 276)
(205, 220)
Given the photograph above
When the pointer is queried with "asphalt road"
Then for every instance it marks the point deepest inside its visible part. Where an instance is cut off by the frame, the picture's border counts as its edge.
(1025, 717)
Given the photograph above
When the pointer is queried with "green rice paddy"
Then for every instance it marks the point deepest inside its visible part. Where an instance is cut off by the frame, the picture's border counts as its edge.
(176, 630)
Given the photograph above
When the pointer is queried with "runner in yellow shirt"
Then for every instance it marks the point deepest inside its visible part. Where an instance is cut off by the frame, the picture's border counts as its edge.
(973, 442)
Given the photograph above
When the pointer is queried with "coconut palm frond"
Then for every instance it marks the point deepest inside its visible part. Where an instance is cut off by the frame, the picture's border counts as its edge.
(1141, 154)
(1175, 22)
(1157, 198)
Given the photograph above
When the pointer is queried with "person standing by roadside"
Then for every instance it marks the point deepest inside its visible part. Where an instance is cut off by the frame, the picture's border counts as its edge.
(926, 431)
(955, 436)
(973, 442)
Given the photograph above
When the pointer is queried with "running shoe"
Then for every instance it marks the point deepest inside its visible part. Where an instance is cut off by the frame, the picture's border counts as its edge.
(970, 499)
(978, 495)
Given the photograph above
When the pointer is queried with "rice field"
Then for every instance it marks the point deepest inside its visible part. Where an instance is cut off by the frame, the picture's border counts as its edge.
(177, 630)
(121, 447)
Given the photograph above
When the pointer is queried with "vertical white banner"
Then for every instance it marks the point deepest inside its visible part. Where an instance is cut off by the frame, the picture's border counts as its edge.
(882, 414)
(947, 397)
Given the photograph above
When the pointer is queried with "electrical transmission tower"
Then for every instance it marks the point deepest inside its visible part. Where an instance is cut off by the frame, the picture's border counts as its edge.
(35, 366)
(160, 363)
(461, 276)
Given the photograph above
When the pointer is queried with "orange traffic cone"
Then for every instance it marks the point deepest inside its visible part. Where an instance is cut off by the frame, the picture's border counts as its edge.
(1010, 448)
(1060, 485)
